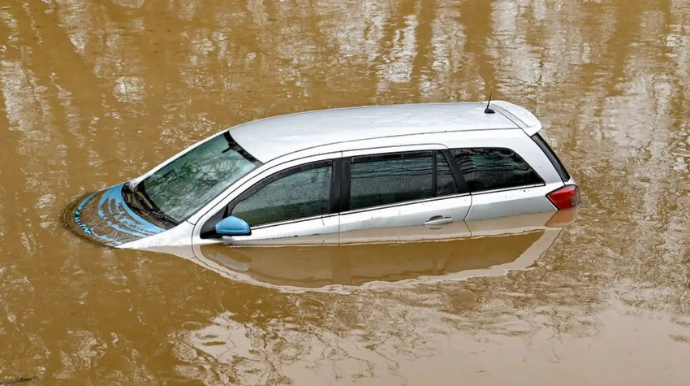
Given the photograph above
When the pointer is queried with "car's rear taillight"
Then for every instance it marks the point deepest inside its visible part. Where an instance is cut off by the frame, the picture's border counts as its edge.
(565, 197)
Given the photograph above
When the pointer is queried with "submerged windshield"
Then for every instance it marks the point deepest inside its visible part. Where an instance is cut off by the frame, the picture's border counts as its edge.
(185, 185)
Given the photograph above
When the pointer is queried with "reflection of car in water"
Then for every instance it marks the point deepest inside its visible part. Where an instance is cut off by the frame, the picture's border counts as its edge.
(482, 248)
(337, 175)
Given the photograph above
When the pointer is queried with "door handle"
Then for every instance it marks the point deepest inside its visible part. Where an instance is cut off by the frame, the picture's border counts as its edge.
(438, 220)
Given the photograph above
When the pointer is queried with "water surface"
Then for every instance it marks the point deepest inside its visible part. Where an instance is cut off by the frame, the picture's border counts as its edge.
(94, 93)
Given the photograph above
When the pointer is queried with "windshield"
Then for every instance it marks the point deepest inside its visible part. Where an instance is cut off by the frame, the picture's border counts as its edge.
(185, 185)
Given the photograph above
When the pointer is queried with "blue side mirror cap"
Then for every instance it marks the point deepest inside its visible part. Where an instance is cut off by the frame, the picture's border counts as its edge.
(233, 226)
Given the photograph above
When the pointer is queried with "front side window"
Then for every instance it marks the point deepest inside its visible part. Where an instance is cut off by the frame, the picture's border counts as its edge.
(494, 168)
(182, 187)
(299, 194)
(390, 179)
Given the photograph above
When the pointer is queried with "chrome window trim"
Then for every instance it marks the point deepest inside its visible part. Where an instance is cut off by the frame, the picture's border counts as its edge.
(287, 222)
(509, 189)
(404, 203)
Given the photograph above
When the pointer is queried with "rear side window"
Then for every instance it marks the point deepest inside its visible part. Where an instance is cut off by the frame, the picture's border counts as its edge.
(394, 178)
(297, 195)
(389, 179)
(494, 168)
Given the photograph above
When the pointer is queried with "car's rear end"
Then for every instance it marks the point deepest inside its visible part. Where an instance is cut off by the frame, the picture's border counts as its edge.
(566, 196)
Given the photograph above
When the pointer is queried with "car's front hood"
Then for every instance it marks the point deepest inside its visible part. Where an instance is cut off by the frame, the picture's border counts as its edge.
(104, 217)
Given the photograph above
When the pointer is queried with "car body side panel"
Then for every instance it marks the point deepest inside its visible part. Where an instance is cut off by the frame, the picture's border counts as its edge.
(406, 221)
(177, 236)
(495, 246)
(494, 204)
(321, 230)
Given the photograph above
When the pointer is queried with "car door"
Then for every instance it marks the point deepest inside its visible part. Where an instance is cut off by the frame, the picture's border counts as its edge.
(401, 194)
(293, 205)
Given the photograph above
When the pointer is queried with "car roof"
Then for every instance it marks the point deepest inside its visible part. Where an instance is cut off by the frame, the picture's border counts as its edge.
(273, 137)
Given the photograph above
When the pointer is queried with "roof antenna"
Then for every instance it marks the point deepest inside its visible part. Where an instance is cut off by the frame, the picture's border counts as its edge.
(489, 110)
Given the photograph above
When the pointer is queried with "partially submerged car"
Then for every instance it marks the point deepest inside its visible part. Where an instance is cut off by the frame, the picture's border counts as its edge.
(336, 176)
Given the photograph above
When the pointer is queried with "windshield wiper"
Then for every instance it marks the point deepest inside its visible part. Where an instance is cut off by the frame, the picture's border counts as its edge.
(140, 197)
(232, 145)
(130, 199)
(163, 217)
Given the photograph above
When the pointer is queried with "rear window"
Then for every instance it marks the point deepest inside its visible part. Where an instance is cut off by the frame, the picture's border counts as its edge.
(552, 157)
(494, 168)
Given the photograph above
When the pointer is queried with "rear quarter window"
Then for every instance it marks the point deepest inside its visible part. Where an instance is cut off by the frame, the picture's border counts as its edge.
(551, 156)
(494, 168)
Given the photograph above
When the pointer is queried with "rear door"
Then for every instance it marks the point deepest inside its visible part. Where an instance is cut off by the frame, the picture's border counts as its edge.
(401, 194)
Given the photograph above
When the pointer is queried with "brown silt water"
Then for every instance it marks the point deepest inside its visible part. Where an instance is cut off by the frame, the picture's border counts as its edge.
(93, 93)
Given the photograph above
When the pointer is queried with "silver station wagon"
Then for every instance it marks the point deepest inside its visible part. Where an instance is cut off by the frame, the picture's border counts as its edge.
(386, 173)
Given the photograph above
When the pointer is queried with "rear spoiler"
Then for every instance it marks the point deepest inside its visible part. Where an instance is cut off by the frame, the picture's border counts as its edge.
(520, 116)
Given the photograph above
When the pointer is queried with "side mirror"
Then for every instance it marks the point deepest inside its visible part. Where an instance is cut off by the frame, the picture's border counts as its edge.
(233, 226)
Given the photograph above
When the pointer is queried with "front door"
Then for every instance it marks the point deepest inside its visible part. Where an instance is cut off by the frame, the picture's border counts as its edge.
(291, 206)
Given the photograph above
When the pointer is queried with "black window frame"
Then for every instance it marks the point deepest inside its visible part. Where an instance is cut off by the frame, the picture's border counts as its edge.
(208, 229)
(551, 155)
(455, 164)
(345, 177)
(463, 188)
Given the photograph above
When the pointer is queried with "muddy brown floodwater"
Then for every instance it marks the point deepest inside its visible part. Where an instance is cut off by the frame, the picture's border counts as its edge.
(95, 92)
